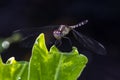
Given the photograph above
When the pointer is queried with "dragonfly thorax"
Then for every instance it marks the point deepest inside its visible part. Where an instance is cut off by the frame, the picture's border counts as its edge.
(62, 31)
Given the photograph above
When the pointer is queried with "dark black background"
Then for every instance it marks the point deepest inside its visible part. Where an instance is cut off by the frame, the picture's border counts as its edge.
(103, 16)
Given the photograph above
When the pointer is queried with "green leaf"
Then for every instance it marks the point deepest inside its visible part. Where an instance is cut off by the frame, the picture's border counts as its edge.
(13, 70)
(44, 64)
(54, 65)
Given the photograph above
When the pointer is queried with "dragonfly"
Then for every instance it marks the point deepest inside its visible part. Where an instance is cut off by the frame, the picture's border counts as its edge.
(27, 36)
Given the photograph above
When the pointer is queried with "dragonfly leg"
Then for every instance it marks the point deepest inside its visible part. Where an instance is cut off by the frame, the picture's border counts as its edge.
(68, 40)
(58, 43)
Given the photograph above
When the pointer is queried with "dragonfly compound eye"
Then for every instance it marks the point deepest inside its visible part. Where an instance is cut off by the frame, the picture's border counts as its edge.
(57, 34)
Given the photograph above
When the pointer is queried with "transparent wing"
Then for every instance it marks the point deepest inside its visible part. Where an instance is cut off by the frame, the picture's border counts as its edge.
(30, 34)
(89, 44)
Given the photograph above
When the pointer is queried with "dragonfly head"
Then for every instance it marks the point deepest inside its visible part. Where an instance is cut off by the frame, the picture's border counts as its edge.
(57, 34)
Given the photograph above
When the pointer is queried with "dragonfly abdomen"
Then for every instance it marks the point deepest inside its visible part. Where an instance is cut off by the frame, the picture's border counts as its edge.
(79, 24)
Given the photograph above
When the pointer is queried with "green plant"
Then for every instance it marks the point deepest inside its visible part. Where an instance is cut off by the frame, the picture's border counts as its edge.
(44, 64)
